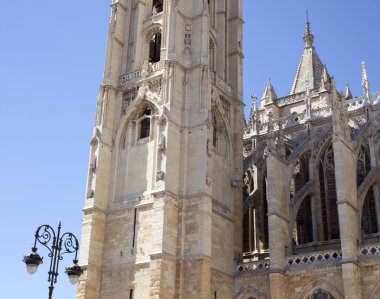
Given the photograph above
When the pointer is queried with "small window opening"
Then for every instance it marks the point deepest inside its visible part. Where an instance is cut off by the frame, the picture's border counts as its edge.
(131, 294)
(212, 55)
(155, 48)
(214, 134)
(158, 6)
(145, 125)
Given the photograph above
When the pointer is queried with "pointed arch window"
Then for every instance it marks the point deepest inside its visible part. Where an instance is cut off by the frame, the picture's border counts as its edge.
(249, 225)
(157, 7)
(155, 48)
(304, 223)
(263, 218)
(328, 197)
(369, 214)
(214, 132)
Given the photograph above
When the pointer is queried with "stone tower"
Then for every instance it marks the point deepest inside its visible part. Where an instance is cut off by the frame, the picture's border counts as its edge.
(163, 209)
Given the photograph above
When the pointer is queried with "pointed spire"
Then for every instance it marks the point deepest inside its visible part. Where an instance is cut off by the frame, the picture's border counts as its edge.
(310, 66)
(365, 82)
(308, 37)
(348, 94)
(269, 93)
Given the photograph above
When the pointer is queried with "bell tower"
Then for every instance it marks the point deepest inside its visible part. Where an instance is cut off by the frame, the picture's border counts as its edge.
(162, 217)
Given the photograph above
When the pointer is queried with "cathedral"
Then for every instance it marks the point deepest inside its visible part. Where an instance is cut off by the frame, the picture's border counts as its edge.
(186, 199)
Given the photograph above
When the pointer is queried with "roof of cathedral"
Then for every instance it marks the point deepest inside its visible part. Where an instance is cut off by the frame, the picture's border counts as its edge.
(310, 70)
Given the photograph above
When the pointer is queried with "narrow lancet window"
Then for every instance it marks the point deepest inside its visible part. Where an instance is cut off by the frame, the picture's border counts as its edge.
(155, 48)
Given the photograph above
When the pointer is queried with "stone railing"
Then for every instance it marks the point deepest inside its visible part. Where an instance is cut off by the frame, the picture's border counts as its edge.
(291, 98)
(256, 266)
(135, 75)
(218, 82)
(369, 251)
(314, 259)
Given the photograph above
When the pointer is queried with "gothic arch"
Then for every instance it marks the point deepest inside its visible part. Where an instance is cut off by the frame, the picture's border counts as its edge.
(151, 31)
(301, 223)
(143, 98)
(218, 112)
(368, 213)
(316, 285)
(250, 293)
(375, 292)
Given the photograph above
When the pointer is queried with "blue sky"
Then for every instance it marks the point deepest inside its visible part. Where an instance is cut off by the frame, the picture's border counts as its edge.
(51, 62)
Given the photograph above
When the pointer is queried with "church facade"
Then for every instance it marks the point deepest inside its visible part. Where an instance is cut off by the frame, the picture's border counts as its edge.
(187, 200)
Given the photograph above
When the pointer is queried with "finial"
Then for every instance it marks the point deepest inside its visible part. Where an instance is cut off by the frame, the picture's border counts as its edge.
(365, 82)
(308, 36)
(348, 94)
(254, 101)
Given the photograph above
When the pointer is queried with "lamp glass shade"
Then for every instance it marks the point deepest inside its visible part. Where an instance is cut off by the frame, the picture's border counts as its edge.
(73, 279)
(31, 268)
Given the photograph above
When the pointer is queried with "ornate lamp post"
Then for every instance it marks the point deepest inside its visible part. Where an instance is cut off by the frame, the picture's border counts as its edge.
(57, 245)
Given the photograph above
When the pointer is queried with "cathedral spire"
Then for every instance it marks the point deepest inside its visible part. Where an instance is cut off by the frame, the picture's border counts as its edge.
(310, 67)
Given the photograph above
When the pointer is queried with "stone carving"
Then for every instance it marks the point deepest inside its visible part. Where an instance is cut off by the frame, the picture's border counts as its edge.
(316, 258)
(155, 86)
(208, 180)
(187, 42)
(145, 71)
(128, 96)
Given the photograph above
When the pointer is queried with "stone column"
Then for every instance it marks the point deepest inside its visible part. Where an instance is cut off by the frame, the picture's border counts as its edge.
(278, 212)
(349, 222)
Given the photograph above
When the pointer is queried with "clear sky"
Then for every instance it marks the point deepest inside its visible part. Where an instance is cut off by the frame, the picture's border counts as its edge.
(51, 64)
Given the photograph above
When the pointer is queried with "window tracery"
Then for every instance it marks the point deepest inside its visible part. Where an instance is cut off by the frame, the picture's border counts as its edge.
(369, 214)
(328, 197)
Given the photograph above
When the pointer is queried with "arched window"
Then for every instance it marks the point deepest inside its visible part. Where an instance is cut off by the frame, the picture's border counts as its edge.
(155, 48)
(304, 223)
(249, 225)
(157, 7)
(145, 124)
(214, 132)
(263, 219)
(327, 188)
(212, 55)
(369, 214)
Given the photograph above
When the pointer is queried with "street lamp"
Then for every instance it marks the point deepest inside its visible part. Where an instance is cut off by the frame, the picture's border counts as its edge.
(57, 245)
